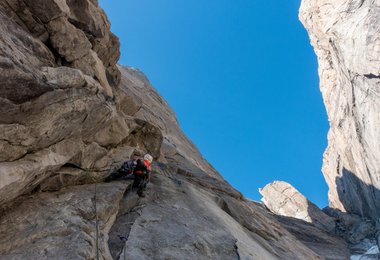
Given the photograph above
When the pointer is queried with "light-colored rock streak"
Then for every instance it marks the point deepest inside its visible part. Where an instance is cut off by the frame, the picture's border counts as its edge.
(345, 35)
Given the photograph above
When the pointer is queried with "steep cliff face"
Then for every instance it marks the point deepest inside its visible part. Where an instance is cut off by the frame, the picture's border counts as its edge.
(56, 96)
(345, 36)
(70, 116)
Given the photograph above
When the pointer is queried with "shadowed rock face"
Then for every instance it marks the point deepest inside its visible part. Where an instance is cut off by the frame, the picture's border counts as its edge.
(345, 37)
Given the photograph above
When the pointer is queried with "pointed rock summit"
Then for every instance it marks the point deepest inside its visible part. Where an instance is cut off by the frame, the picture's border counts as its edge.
(283, 199)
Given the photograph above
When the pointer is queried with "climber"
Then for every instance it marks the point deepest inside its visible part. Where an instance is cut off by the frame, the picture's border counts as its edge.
(138, 169)
(142, 174)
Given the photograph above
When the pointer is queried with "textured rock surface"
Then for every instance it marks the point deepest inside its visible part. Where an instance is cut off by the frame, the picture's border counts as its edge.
(56, 113)
(283, 199)
(328, 246)
(61, 225)
(345, 36)
(212, 226)
(66, 123)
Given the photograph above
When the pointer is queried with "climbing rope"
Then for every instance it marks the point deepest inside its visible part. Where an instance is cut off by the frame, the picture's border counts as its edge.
(96, 225)
(125, 239)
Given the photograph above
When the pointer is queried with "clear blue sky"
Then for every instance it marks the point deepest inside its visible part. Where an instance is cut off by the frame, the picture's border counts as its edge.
(242, 79)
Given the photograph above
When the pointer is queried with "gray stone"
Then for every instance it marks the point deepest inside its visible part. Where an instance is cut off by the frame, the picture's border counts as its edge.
(61, 225)
(24, 17)
(70, 42)
(47, 10)
(87, 16)
(64, 77)
(21, 56)
(92, 66)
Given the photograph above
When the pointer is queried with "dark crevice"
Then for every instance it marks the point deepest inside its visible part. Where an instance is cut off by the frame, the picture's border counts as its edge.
(71, 165)
(129, 211)
(237, 250)
(372, 76)
(224, 206)
(354, 5)
(58, 59)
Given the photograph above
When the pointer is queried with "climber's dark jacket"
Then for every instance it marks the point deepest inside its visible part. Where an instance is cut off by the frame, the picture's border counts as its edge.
(142, 167)
(141, 172)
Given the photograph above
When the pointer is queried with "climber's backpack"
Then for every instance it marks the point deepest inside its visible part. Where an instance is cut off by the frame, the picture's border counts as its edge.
(128, 167)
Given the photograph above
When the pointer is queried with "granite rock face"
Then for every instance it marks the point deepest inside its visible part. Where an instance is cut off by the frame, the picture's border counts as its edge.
(345, 37)
(70, 116)
(61, 225)
(55, 113)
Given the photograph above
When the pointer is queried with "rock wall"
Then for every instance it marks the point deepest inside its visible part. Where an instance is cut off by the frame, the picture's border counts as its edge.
(58, 118)
(70, 116)
(345, 37)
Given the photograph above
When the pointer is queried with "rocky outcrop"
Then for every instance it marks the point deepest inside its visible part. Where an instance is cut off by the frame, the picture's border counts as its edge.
(62, 33)
(349, 233)
(345, 36)
(59, 120)
(305, 220)
(283, 199)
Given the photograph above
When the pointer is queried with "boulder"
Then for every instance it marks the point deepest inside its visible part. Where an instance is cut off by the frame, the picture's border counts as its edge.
(70, 42)
(47, 10)
(92, 66)
(87, 16)
(64, 77)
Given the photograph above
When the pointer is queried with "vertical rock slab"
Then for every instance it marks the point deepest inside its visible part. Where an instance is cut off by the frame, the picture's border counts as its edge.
(345, 37)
